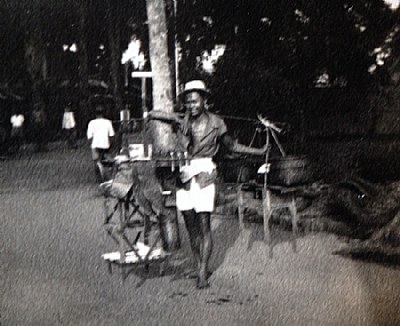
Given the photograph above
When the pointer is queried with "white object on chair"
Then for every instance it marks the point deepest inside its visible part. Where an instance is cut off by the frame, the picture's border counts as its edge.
(265, 168)
(131, 257)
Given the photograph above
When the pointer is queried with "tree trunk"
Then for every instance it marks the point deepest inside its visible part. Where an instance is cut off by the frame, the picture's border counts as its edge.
(115, 46)
(35, 58)
(172, 45)
(83, 62)
(163, 138)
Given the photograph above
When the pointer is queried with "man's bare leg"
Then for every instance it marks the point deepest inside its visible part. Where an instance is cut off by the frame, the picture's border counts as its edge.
(194, 231)
(205, 249)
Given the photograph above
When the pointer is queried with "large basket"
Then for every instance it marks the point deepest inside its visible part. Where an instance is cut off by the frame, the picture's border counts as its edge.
(290, 171)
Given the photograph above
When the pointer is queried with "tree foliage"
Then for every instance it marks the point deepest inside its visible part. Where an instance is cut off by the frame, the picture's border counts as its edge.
(279, 52)
(275, 51)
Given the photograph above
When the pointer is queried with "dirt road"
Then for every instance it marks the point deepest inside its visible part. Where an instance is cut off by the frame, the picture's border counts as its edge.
(51, 241)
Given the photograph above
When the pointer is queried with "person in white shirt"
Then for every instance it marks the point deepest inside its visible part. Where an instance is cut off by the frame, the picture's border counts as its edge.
(100, 132)
(68, 126)
(17, 130)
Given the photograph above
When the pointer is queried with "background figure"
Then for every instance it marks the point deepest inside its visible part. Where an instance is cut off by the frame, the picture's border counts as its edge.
(17, 130)
(69, 127)
(39, 128)
(99, 132)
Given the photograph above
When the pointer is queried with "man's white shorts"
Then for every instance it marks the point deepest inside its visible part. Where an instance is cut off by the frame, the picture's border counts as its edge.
(200, 200)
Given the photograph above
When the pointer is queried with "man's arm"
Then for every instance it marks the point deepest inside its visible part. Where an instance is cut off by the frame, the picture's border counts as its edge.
(235, 147)
(111, 132)
(89, 132)
(64, 121)
(165, 116)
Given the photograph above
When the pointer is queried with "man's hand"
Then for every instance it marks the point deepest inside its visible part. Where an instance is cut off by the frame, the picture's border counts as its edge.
(148, 115)
(186, 173)
(266, 148)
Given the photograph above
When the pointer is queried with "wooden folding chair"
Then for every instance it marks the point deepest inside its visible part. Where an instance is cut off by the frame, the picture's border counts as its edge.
(127, 223)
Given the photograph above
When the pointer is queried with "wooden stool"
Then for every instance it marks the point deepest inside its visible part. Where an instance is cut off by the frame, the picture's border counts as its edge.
(272, 198)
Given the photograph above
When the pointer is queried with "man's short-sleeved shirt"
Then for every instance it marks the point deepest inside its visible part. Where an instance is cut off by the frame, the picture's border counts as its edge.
(100, 130)
(17, 120)
(205, 137)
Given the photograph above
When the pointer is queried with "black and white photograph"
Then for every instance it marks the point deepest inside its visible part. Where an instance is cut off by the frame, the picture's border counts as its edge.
(197, 162)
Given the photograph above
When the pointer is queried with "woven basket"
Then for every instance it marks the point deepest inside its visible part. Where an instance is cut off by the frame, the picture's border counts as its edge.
(290, 171)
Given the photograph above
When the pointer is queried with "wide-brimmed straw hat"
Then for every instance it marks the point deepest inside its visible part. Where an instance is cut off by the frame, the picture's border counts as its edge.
(195, 86)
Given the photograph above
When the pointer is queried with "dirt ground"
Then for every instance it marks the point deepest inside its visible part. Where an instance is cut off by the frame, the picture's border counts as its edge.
(52, 273)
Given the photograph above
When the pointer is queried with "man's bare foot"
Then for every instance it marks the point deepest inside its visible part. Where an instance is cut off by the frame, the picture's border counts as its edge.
(192, 274)
(202, 284)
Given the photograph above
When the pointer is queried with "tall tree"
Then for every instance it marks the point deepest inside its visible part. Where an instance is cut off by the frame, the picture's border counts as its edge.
(35, 54)
(83, 7)
(115, 46)
(163, 137)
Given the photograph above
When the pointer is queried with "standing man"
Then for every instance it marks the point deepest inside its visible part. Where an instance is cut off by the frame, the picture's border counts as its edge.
(68, 126)
(39, 127)
(203, 132)
(99, 132)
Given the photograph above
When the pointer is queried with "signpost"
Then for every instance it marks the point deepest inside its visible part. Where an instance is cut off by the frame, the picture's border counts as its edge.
(143, 75)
